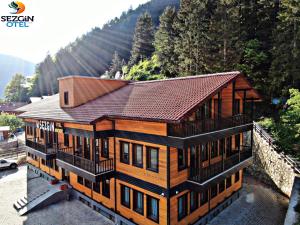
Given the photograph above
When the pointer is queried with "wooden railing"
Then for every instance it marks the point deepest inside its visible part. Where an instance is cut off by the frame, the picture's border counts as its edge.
(40, 147)
(186, 129)
(203, 174)
(96, 168)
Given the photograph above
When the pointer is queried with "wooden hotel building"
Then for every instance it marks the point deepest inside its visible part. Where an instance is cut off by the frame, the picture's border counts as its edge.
(154, 152)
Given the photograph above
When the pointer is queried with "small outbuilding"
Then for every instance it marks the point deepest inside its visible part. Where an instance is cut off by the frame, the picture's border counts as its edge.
(4, 131)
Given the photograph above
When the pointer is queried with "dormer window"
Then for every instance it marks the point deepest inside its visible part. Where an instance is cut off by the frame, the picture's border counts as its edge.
(66, 98)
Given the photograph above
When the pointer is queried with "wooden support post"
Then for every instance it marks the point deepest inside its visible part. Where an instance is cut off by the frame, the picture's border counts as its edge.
(233, 98)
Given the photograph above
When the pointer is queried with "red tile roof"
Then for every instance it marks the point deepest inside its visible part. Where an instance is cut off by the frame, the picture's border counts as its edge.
(164, 100)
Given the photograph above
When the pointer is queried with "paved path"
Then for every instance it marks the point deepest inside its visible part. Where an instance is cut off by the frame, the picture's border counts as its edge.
(258, 205)
(14, 185)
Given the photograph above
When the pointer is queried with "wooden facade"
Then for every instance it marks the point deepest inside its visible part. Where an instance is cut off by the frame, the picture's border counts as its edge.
(140, 171)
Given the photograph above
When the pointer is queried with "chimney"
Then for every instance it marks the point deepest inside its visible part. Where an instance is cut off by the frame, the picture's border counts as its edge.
(77, 90)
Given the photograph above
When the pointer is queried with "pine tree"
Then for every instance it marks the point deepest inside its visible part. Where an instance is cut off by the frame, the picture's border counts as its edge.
(116, 65)
(164, 43)
(285, 70)
(142, 47)
(192, 24)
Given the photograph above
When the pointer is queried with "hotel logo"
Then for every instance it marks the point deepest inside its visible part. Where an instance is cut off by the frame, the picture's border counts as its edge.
(16, 20)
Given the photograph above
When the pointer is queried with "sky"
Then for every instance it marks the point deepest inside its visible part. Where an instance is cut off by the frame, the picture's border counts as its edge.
(56, 23)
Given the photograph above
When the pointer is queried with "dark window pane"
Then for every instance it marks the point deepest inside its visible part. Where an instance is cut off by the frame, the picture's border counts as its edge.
(124, 152)
(96, 187)
(221, 186)
(105, 148)
(66, 98)
(214, 191)
(237, 176)
(125, 196)
(152, 159)
(204, 197)
(138, 202)
(182, 206)
(153, 208)
(66, 140)
(106, 188)
(88, 183)
(79, 180)
(228, 182)
(194, 200)
(138, 155)
(182, 159)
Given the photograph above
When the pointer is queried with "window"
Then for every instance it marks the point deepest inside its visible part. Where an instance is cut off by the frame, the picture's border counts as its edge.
(204, 197)
(152, 159)
(105, 148)
(182, 207)
(88, 183)
(125, 196)
(137, 155)
(42, 133)
(237, 139)
(66, 98)
(214, 149)
(66, 140)
(214, 191)
(228, 182)
(153, 208)
(204, 152)
(221, 186)
(228, 146)
(124, 157)
(182, 158)
(236, 106)
(79, 180)
(194, 201)
(96, 187)
(237, 176)
(106, 188)
(43, 162)
(138, 202)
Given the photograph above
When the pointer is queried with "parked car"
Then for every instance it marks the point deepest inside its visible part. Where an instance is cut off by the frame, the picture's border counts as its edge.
(8, 163)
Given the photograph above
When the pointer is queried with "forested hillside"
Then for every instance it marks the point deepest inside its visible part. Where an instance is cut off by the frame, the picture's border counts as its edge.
(9, 66)
(91, 54)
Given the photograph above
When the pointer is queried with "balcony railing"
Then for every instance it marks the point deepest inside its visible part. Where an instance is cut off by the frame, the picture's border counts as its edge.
(186, 129)
(201, 175)
(96, 168)
(47, 149)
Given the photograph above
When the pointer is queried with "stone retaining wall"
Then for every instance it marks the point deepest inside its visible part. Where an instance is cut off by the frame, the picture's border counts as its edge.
(270, 167)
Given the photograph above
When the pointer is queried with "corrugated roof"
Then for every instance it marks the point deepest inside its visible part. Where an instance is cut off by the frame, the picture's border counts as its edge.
(163, 100)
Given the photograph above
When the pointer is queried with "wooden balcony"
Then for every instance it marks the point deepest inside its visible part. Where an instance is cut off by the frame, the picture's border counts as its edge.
(84, 167)
(233, 162)
(44, 151)
(187, 129)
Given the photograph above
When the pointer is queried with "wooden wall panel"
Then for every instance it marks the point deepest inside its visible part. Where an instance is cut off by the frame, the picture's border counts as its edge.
(79, 187)
(136, 217)
(104, 125)
(227, 101)
(176, 177)
(142, 127)
(79, 126)
(108, 202)
(142, 173)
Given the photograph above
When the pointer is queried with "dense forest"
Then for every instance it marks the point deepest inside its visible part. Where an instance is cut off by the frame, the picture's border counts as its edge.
(171, 38)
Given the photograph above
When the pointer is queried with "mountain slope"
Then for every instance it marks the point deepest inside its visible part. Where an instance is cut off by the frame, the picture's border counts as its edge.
(91, 54)
(9, 66)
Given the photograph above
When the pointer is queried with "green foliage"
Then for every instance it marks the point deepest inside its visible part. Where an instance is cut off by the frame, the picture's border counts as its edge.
(10, 120)
(142, 47)
(254, 63)
(164, 43)
(286, 131)
(285, 69)
(145, 70)
(15, 90)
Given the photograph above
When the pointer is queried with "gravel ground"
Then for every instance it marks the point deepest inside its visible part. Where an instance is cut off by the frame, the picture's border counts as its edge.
(257, 205)
(14, 185)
